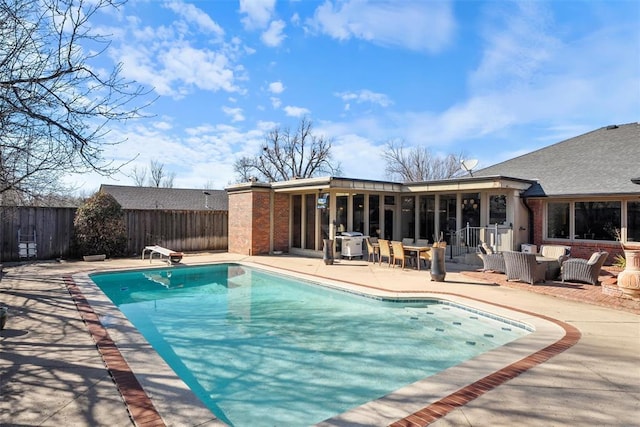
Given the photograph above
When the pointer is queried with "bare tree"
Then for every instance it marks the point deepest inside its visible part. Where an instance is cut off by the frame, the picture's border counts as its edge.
(418, 163)
(159, 177)
(287, 155)
(139, 176)
(55, 102)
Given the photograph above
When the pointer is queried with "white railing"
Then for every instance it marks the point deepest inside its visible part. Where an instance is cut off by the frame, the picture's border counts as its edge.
(467, 239)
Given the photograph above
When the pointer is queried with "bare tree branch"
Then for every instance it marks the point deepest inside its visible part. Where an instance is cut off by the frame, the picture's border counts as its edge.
(288, 155)
(55, 104)
(418, 163)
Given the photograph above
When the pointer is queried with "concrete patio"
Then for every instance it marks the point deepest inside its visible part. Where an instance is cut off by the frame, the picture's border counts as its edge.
(52, 374)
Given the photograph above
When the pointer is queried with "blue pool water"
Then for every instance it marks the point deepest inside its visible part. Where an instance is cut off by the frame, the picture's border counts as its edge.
(264, 349)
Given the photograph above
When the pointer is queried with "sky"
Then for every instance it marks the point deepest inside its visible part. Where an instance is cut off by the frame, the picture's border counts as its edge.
(487, 79)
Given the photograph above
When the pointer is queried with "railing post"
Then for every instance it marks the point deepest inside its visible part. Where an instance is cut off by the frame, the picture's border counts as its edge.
(468, 235)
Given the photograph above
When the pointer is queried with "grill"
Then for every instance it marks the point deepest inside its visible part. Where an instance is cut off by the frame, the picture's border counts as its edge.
(351, 244)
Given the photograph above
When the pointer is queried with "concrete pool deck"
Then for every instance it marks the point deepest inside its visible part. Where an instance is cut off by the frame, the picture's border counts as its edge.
(52, 374)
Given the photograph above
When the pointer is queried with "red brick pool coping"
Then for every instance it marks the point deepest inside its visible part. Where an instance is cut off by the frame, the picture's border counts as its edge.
(138, 403)
(143, 412)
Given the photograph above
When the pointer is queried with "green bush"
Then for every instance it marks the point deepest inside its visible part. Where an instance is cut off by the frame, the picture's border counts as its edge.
(619, 261)
(100, 226)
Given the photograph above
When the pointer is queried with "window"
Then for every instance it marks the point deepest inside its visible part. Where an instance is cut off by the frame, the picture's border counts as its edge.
(498, 209)
(471, 209)
(408, 217)
(558, 220)
(389, 200)
(358, 213)
(341, 213)
(427, 217)
(324, 209)
(447, 215)
(374, 216)
(310, 221)
(633, 221)
(597, 220)
(296, 232)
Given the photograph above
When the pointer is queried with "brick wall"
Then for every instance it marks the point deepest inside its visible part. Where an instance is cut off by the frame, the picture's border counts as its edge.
(240, 221)
(281, 222)
(250, 221)
(261, 222)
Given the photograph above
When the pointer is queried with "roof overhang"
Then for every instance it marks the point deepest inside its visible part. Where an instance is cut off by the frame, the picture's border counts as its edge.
(468, 184)
(329, 183)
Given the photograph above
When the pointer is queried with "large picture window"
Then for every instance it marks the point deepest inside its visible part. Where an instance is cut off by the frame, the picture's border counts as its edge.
(592, 220)
(558, 220)
(597, 220)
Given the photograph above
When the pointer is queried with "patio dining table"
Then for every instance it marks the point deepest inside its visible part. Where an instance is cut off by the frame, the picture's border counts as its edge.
(417, 249)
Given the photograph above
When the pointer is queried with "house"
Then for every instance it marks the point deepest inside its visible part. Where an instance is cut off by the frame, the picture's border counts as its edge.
(583, 195)
(172, 199)
(577, 192)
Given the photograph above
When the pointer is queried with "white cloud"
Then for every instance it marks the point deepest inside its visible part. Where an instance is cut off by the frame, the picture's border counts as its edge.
(258, 13)
(365, 96)
(367, 164)
(235, 114)
(274, 35)
(423, 26)
(296, 111)
(276, 87)
(276, 102)
(171, 60)
(194, 15)
(519, 46)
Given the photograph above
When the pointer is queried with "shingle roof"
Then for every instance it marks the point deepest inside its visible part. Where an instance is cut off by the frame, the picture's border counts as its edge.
(597, 163)
(183, 199)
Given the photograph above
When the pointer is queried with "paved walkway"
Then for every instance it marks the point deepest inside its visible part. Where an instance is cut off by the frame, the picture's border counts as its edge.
(52, 374)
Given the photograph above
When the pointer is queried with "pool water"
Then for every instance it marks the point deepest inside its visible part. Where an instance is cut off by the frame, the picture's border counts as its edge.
(264, 349)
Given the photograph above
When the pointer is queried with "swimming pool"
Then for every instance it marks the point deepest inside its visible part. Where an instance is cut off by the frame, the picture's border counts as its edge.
(249, 356)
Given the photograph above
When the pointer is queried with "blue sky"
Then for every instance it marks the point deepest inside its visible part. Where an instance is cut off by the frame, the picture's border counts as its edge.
(492, 80)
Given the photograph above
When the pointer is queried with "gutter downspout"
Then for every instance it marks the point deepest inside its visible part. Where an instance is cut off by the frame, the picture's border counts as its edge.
(526, 205)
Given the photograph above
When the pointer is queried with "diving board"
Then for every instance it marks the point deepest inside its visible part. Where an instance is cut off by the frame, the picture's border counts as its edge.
(171, 256)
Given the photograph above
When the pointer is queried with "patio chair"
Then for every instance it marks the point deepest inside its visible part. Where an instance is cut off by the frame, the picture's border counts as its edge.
(524, 267)
(371, 251)
(582, 270)
(490, 260)
(398, 253)
(385, 251)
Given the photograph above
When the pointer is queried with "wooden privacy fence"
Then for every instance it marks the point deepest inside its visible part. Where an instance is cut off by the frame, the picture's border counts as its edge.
(186, 231)
(50, 231)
